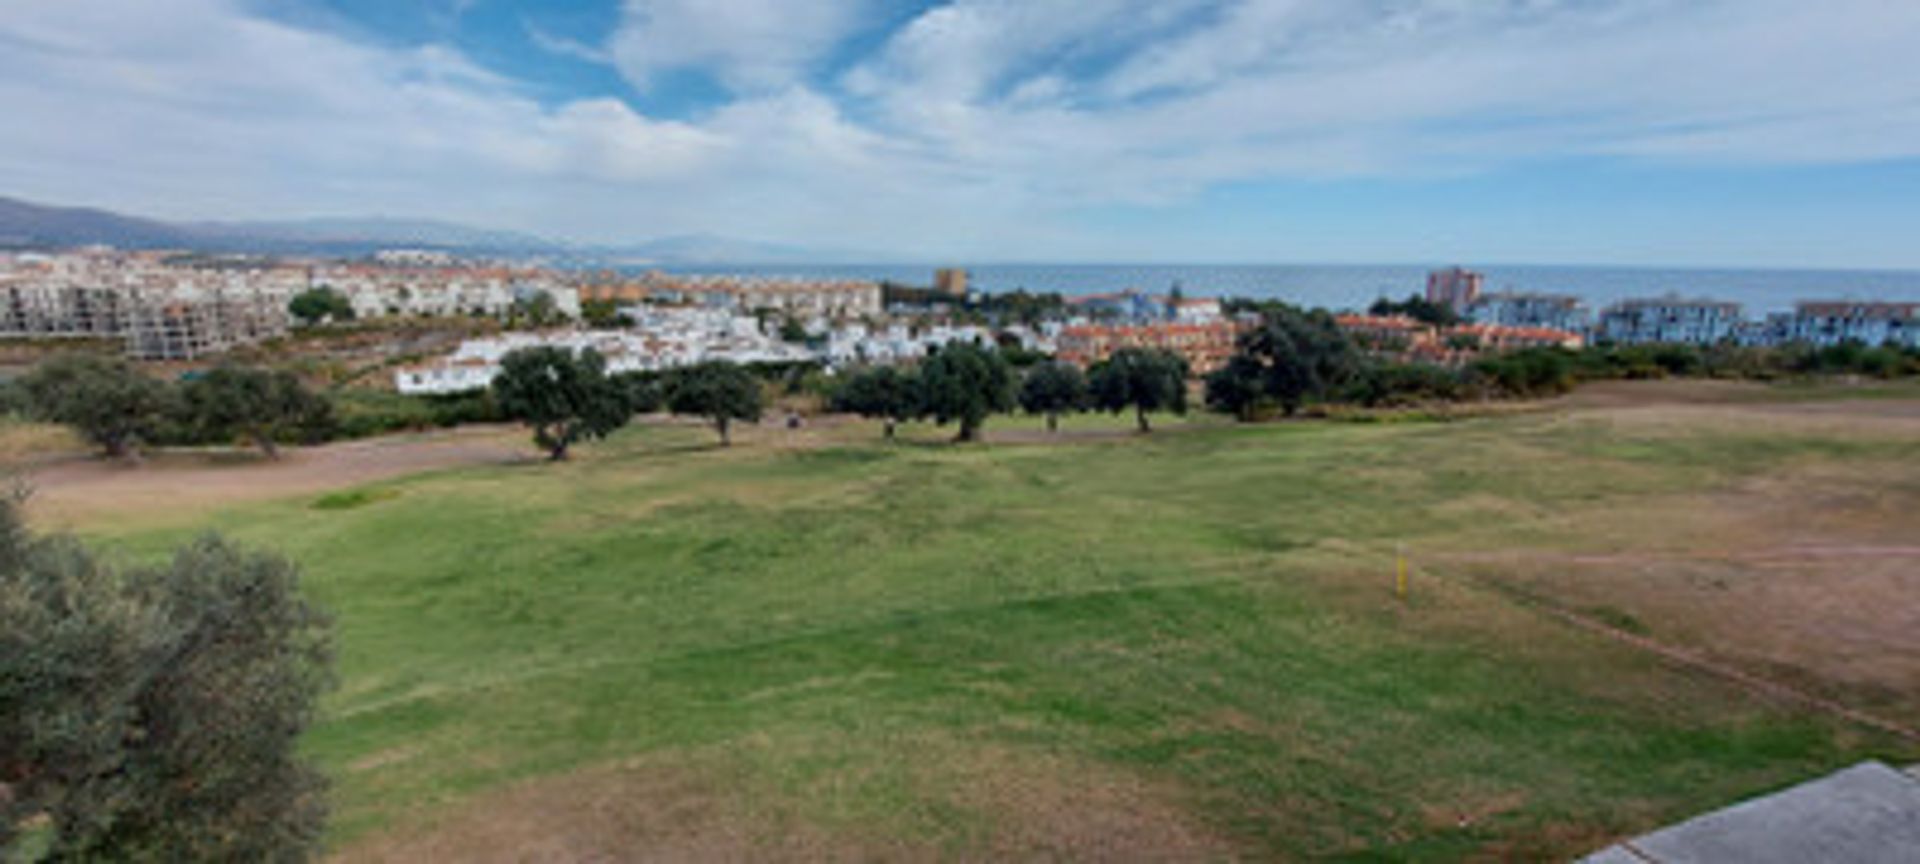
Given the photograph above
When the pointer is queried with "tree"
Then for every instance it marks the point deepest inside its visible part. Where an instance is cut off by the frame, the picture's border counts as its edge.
(317, 305)
(720, 390)
(265, 406)
(565, 397)
(105, 399)
(791, 330)
(604, 314)
(642, 389)
(1053, 388)
(1238, 387)
(881, 392)
(964, 383)
(1419, 309)
(536, 311)
(1301, 355)
(1144, 379)
(153, 714)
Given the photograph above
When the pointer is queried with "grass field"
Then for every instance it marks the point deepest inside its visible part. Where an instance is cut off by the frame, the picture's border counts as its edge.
(1185, 646)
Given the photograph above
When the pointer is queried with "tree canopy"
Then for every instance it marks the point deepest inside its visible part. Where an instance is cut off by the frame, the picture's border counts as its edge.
(153, 714)
(720, 390)
(316, 305)
(265, 406)
(535, 311)
(965, 383)
(565, 397)
(1143, 379)
(1418, 308)
(1239, 387)
(1053, 388)
(105, 399)
(1294, 356)
(882, 393)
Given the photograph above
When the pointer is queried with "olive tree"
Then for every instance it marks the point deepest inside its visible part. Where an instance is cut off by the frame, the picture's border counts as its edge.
(1053, 388)
(719, 390)
(881, 392)
(153, 714)
(1141, 379)
(264, 406)
(964, 383)
(316, 305)
(1299, 356)
(103, 398)
(564, 396)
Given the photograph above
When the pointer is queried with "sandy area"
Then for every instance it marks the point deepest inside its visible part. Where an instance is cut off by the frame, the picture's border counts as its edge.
(70, 490)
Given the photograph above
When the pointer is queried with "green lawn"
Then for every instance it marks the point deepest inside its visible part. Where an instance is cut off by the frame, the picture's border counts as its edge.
(917, 647)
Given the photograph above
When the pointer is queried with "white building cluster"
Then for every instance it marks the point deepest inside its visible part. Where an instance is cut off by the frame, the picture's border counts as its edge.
(157, 307)
(375, 290)
(668, 337)
(173, 306)
(661, 338)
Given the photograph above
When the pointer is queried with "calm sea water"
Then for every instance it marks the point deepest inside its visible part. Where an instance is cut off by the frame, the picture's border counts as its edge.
(1353, 286)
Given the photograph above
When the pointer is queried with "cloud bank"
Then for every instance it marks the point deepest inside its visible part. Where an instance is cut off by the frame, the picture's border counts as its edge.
(972, 125)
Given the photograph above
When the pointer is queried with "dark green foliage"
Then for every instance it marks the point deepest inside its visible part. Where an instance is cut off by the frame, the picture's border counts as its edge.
(264, 406)
(603, 314)
(360, 413)
(644, 390)
(1528, 373)
(1238, 388)
(720, 390)
(153, 715)
(1297, 356)
(565, 397)
(1017, 355)
(791, 330)
(1053, 388)
(105, 399)
(964, 384)
(1140, 379)
(353, 499)
(317, 305)
(1396, 384)
(881, 393)
(535, 311)
(1418, 308)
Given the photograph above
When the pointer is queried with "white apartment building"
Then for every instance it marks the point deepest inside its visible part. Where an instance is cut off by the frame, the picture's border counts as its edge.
(1512, 309)
(661, 339)
(1669, 319)
(1833, 322)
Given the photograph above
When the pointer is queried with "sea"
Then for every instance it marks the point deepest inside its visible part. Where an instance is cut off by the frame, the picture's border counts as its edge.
(1353, 286)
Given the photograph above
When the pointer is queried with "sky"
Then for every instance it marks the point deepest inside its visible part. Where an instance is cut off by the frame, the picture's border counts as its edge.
(1761, 133)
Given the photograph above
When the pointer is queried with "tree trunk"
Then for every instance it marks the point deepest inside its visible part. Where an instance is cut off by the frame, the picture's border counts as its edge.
(265, 443)
(968, 433)
(558, 452)
(1053, 422)
(1140, 414)
(723, 424)
(889, 428)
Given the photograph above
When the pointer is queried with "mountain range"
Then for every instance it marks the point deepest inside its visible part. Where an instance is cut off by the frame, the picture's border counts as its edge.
(28, 225)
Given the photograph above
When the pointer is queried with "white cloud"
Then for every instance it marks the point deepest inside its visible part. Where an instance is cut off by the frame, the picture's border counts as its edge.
(749, 45)
(978, 126)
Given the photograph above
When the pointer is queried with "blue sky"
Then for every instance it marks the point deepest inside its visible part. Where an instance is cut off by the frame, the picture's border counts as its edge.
(1690, 132)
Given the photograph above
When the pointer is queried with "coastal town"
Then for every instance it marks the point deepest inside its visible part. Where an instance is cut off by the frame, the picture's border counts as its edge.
(172, 306)
(1163, 431)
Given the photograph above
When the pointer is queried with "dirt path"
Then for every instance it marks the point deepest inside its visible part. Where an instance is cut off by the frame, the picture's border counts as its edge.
(77, 490)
